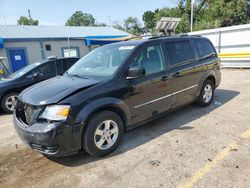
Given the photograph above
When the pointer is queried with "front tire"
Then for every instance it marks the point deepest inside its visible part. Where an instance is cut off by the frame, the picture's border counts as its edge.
(8, 102)
(206, 94)
(103, 133)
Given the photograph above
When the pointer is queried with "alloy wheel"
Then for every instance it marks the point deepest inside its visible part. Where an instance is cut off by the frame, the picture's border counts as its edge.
(106, 134)
(208, 93)
(11, 102)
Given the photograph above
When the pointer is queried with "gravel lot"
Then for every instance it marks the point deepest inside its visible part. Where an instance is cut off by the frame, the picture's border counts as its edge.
(192, 147)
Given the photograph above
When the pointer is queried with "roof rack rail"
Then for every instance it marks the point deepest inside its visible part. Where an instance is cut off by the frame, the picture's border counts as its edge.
(186, 34)
(160, 36)
(195, 35)
(182, 35)
(178, 35)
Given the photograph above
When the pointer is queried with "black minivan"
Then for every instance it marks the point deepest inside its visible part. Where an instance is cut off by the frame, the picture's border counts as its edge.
(12, 85)
(113, 89)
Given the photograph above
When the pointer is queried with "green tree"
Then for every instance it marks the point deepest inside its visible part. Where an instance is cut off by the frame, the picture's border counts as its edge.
(208, 14)
(184, 7)
(117, 25)
(221, 13)
(23, 20)
(149, 20)
(81, 19)
(132, 25)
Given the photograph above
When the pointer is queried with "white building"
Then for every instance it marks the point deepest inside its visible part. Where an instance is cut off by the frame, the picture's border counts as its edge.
(234, 40)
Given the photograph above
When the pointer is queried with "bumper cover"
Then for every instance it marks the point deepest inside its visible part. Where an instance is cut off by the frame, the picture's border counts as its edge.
(56, 139)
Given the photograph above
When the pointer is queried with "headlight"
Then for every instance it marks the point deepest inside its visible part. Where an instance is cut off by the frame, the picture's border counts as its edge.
(56, 112)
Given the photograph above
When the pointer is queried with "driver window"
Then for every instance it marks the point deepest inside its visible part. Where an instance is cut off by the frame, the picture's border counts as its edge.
(151, 59)
(46, 69)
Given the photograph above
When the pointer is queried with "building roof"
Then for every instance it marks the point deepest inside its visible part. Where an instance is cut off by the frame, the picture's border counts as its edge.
(46, 32)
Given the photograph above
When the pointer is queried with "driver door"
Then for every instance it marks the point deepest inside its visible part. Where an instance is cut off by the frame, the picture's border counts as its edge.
(44, 71)
(149, 94)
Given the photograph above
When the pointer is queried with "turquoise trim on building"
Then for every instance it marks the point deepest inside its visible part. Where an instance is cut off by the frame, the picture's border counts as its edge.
(1, 43)
(106, 36)
(102, 40)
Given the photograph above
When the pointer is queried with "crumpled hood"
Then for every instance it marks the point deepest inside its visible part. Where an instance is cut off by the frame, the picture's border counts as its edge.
(55, 89)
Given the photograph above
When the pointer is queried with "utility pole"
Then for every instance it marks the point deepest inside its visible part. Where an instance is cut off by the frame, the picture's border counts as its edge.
(192, 14)
(29, 16)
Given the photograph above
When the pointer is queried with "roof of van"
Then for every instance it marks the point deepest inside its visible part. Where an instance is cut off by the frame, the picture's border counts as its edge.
(175, 36)
(141, 41)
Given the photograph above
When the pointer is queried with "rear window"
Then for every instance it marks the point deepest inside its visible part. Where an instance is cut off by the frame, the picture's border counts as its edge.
(68, 63)
(179, 52)
(204, 48)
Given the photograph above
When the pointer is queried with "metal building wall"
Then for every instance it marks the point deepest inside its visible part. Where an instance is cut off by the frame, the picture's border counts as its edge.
(230, 40)
(32, 49)
(36, 49)
(56, 47)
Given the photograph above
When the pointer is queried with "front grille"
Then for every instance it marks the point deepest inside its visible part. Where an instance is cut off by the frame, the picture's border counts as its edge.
(45, 149)
(27, 113)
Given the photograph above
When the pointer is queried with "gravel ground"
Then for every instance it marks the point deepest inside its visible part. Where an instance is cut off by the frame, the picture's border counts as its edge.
(192, 147)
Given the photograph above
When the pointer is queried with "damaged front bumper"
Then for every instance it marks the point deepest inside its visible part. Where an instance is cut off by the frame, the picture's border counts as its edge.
(52, 139)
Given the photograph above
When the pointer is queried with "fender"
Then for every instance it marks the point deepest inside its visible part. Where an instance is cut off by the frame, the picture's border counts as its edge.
(1, 95)
(103, 103)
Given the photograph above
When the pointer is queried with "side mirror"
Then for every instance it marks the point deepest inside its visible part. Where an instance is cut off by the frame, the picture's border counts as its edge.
(135, 72)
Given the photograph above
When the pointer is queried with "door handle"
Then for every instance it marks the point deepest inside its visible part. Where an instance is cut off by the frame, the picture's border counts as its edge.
(177, 74)
(164, 78)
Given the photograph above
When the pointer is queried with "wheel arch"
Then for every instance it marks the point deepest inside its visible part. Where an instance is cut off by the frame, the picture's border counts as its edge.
(211, 78)
(7, 92)
(208, 76)
(112, 104)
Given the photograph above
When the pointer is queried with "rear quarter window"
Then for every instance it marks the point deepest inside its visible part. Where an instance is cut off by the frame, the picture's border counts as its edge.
(179, 52)
(68, 63)
(204, 48)
(59, 66)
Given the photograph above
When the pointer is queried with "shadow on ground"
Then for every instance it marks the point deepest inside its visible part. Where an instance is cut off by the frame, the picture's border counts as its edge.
(2, 113)
(153, 129)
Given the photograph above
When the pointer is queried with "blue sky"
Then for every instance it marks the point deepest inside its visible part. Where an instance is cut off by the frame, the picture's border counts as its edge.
(56, 12)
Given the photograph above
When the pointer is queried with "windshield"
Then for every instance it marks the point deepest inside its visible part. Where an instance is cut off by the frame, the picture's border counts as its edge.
(103, 61)
(23, 71)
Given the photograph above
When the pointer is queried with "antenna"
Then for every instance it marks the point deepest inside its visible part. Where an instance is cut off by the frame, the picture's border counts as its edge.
(29, 16)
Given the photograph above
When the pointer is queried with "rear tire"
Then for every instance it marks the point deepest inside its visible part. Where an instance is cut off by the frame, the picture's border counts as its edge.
(8, 102)
(103, 133)
(206, 94)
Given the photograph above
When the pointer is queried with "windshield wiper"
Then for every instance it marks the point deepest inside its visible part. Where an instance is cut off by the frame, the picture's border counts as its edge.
(75, 75)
